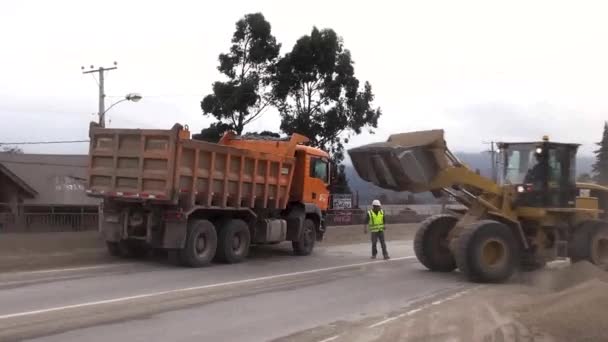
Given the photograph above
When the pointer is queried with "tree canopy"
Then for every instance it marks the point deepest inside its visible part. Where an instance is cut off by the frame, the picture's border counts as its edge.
(318, 95)
(600, 167)
(246, 93)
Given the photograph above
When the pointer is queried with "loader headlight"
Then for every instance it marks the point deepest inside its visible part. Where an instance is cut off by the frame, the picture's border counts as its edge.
(521, 189)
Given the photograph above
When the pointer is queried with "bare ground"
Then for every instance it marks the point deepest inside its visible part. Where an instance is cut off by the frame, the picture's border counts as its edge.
(565, 304)
(559, 304)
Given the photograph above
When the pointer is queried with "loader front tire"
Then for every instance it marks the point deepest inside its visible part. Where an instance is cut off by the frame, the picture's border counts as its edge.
(431, 245)
(487, 252)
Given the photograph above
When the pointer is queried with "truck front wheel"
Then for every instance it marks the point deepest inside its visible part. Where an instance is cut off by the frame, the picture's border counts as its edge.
(234, 240)
(201, 244)
(306, 243)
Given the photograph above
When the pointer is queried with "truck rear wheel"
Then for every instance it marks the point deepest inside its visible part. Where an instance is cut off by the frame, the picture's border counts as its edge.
(306, 243)
(201, 244)
(431, 245)
(234, 240)
(486, 251)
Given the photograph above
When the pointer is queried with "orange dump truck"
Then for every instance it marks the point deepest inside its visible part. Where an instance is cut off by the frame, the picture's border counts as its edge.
(202, 201)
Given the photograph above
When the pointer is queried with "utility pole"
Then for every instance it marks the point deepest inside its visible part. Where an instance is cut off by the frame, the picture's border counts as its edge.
(102, 95)
(492, 152)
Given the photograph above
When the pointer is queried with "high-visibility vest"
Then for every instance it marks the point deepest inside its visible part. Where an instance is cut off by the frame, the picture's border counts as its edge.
(376, 221)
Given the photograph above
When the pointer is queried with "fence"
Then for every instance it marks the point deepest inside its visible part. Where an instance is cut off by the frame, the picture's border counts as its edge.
(394, 214)
(46, 219)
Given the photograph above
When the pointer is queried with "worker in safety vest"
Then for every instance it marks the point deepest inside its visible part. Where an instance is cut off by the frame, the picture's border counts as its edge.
(375, 223)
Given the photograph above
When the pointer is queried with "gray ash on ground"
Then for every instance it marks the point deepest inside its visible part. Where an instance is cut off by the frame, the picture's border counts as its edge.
(574, 305)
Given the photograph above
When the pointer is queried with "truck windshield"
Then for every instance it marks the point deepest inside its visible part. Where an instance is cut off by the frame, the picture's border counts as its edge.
(518, 162)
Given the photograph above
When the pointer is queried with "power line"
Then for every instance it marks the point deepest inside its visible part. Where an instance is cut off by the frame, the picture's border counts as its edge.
(41, 163)
(45, 142)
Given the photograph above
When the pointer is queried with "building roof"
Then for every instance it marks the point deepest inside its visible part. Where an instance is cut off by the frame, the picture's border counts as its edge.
(28, 190)
(58, 179)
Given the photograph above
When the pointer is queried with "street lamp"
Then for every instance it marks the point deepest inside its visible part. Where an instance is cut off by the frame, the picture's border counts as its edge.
(134, 97)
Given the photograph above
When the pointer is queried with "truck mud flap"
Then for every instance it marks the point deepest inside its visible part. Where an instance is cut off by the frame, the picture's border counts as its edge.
(294, 227)
(175, 234)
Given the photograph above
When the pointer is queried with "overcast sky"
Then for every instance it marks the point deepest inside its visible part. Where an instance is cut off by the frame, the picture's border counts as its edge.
(480, 70)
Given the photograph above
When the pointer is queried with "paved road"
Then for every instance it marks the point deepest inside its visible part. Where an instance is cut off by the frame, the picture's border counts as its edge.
(272, 296)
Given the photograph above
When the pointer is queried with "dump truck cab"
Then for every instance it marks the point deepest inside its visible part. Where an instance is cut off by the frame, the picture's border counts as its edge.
(311, 178)
(543, 174)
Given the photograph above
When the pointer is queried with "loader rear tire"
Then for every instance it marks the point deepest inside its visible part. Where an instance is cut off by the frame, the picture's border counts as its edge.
(590, 242)
(487, 252)
(598, 254)
(579, 246)
(431, 245)
(201, 244)
(531, 262)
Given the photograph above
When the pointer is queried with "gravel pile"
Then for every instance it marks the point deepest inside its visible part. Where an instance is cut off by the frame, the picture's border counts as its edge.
(576, 309)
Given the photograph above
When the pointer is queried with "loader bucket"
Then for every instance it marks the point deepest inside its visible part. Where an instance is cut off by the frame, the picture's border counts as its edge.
(406, 162)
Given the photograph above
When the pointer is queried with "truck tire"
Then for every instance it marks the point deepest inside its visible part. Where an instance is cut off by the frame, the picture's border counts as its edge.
(233, 242)
(431, 245)
(201, 244)
(306, 243)
(487, 252)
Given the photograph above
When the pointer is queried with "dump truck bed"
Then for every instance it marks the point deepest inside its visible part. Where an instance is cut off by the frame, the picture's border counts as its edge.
(167, 166)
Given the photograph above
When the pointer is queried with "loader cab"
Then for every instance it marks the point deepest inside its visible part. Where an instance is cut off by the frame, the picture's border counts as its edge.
(542, 173)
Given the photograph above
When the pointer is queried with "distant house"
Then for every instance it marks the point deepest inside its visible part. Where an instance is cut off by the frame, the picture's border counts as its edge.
(42, 192)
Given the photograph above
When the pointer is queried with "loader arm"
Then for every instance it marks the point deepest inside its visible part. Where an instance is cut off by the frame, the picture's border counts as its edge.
(417, 162)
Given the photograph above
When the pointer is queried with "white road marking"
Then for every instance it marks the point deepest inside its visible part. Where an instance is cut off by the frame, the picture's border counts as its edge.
(423, 307)
(72, 269)
(195, 288)
(419, 299)
(411, 312)
(330, 338)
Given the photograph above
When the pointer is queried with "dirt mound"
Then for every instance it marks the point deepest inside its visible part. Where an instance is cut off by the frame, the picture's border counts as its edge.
(571, 305)
(574, 314)
(563, 278)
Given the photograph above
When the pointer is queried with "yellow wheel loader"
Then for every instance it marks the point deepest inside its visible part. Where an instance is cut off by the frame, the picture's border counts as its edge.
(535, 213)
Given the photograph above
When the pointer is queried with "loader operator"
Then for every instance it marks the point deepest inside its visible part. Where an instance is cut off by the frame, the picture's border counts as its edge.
(375, 223)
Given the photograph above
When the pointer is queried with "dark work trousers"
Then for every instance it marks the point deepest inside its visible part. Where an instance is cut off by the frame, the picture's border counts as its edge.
(375, 237)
